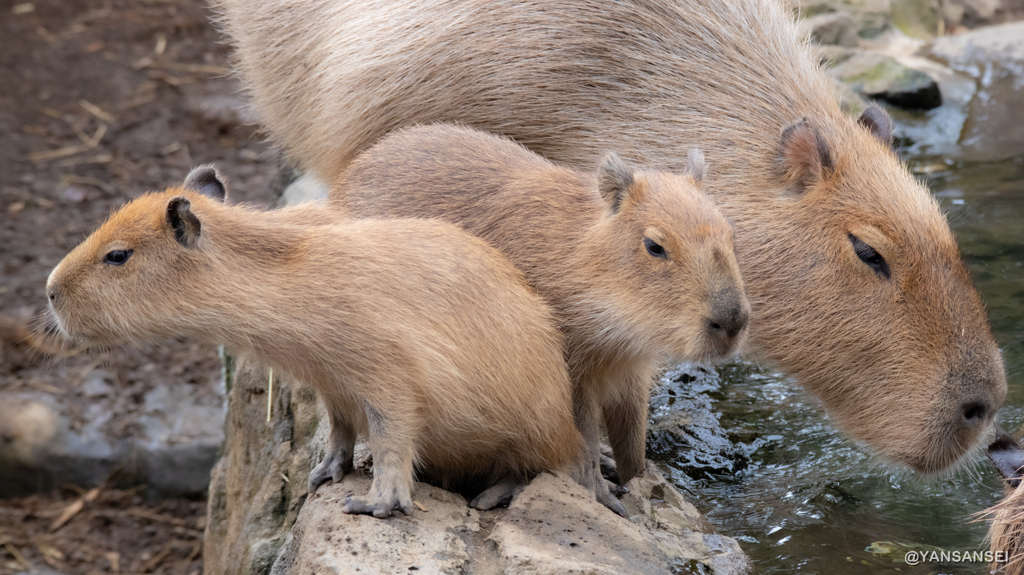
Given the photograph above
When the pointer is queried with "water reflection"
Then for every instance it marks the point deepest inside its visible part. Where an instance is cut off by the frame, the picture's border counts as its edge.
(761, 460)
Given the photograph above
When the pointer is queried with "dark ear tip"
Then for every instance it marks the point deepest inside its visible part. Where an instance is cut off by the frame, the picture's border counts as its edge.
(207, 181)
(178, 203)
(879, 122)
(613, 179)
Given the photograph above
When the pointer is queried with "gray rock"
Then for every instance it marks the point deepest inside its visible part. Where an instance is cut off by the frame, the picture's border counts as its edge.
(870, 17)
(173, 445)
(978, 12)
(325, 540)
(881, 77)
(831, 29)
(994, 58)
(261, 521)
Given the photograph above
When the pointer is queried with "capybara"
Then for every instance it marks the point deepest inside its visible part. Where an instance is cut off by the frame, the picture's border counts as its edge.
(638, 265)
(855, 280)
(1007, 529)
(412, 331)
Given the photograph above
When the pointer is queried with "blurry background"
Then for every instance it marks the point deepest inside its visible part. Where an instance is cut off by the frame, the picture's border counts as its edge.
(104, 458)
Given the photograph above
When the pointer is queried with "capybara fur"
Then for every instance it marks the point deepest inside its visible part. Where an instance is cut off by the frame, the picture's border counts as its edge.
(412, 331)
(638, 265)
(1007, 533)
(855, 280)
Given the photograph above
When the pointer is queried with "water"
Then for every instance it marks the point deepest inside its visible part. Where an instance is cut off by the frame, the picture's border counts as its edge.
(760, 458)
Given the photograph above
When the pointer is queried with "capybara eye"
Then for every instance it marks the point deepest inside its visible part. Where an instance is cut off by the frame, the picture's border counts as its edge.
(117, 257)
(868, 255)
(654, 248)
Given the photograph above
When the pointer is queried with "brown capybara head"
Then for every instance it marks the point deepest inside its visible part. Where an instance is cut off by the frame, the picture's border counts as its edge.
(675, 282)
(132, 279)
(879, 319)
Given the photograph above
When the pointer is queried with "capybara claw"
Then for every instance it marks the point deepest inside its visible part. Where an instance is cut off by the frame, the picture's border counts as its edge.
(333, 467)
(379, 509)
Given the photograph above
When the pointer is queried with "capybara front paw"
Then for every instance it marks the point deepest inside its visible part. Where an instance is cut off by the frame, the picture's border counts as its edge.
(379, 508)
(495, 495)
(334, 466)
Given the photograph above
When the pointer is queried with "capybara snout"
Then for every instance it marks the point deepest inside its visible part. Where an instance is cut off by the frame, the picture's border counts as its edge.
(707, 319)
(728, 308)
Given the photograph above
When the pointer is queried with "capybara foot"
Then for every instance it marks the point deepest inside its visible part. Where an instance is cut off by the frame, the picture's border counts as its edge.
(379, 508)
(608, 468)
(334, 466)
(495, 495)
(605, 497)
(617, 490)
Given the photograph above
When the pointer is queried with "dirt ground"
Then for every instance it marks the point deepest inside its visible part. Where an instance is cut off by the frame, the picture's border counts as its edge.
(101, 100)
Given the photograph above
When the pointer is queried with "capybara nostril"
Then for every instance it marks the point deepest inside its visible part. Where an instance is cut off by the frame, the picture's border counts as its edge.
(976, 413)
(730, 323)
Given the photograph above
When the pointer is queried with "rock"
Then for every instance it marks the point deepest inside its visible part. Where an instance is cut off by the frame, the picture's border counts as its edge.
(325, 540)
(994, 58)
(834, 29)
(870, 17)
(918, 18)
(978, 12)
(48, 440)
(261, 520)
(883, 78)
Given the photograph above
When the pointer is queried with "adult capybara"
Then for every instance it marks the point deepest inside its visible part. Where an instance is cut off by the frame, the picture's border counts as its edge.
(412, 331)
(638, 265)
(855, 280)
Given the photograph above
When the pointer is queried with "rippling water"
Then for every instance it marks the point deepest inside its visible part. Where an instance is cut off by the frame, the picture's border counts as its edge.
(762, 461)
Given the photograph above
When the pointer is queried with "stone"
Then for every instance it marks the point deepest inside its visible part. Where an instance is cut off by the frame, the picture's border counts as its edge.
(431, 540)
(994, 58)
(918, 18)
(830, 29)
(261, 519)
(882, 77)
(171, 446)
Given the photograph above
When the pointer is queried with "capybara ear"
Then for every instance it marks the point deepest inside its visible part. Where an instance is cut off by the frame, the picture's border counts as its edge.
(804, 156)
(206, 181)
(695, 165)
(183, 222)
(879, 122)
(613, 180)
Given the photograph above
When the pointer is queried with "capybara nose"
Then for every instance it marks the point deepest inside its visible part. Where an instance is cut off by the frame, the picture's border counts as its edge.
(976, 413)
(52, 294)
(730, 323)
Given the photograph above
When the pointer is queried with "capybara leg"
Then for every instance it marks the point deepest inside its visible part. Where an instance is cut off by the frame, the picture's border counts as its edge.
(625, 418)
(500, 493)
(608, 467)
(392, 449)
(587, 472)
(338, 459)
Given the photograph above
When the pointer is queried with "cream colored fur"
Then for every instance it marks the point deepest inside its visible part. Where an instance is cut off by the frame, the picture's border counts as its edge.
(582, 241)
(905, 364)
(411, 330)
